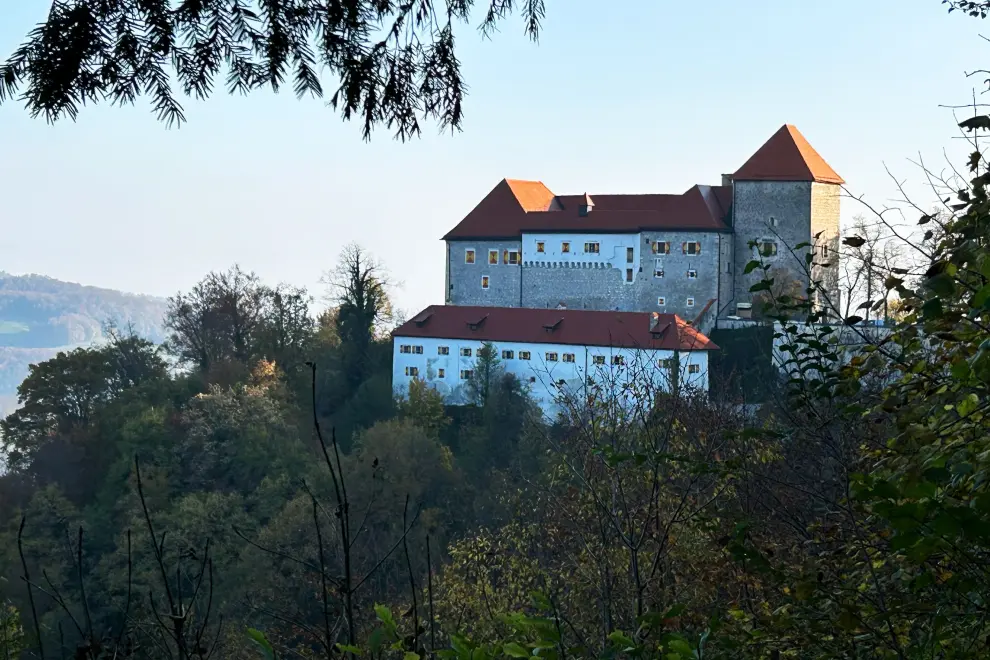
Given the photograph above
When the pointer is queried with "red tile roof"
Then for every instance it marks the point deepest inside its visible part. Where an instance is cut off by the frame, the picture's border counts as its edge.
(576, 327)
(787, 156)
(514, 207)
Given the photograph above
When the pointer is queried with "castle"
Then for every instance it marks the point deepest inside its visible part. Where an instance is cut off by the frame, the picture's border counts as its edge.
(674, 259)
(524, 246)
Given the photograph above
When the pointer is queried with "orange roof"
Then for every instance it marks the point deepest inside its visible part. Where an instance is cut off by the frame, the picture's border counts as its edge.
(514, 207)
(787, 156)
(531, 195)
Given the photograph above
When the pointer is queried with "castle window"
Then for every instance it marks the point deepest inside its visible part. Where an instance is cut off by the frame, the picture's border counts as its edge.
(493, 257)
(541, 246)
(690, 302)
(694, 368)
(618, 360)
(658, 269)
(512, 257)
(630, 255)
(418, 350)
(628, 274)
(523, 355)
(661, 301)
(465, 352)
(466, 374)
(592, 248)
(692, 248)
(773, 221)
(768, 249)
(568, 357)
(412, 371)
(508, 355)
(824, 252)
(598, 359)
(440, 373)
(666, 363)
(469, 256)
(484, 281)
(728, 267)
(443, 350)
(692, 274)
(565, 247)
(661, 247)
(551, 357)
(405, 348)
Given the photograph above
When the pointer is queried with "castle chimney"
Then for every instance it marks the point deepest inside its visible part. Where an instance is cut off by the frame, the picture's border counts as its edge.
(726, 179)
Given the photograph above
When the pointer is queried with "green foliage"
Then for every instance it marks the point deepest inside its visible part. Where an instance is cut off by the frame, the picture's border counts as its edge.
(61, 396)
(424, 408)
(851, 520)
(12, 641)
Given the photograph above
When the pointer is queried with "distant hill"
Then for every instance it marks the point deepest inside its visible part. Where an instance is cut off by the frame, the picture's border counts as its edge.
(40, 316)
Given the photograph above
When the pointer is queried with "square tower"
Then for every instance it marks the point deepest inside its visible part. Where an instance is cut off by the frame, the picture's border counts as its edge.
(786, 195)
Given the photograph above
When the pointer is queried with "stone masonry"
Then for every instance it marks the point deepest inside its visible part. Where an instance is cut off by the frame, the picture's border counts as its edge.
(465, 280)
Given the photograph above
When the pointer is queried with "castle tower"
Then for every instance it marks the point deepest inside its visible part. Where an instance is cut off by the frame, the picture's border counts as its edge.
(783, 196)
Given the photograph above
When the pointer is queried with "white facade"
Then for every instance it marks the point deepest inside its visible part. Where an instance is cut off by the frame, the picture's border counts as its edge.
(613, 372)
(583, 250)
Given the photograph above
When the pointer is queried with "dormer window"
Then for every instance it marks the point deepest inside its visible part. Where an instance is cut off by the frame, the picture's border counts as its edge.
(587, 205)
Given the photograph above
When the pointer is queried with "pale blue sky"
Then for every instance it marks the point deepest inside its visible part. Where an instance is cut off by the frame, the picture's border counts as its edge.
(647, 96)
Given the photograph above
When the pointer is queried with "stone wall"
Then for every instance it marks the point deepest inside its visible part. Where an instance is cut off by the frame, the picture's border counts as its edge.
(825, 219)
(546, 286)
(777, 211)
(675, 285)
(602, 287)
(726, 275)
(465, 284)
